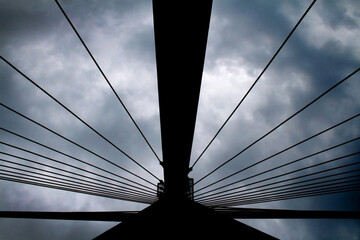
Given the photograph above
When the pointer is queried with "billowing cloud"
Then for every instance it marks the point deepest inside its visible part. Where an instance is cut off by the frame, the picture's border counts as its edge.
(243, 36)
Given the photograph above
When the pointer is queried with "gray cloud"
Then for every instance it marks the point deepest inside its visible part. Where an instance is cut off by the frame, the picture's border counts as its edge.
(243, 34)
(243, 37)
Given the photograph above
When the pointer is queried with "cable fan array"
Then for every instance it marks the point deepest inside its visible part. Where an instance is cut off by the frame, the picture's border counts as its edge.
(335, 175)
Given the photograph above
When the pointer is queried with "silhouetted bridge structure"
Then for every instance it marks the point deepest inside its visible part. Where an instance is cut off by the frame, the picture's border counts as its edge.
(181, 31)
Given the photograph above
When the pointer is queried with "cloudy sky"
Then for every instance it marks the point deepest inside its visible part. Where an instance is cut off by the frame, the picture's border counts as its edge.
(243, 36)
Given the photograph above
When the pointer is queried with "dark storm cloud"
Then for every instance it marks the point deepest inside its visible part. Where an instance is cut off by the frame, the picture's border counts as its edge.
(246, 29)
(23, 20)
(64, 229)
(317, 68)
(334, 17)
(243, 37)
(38, 40)
(246, 34)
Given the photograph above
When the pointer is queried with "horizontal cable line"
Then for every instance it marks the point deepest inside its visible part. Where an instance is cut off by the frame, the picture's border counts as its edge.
(304, 195)
(284, 196)
(104, 216)
(68, 182)
(71, 189)
(292, 190)
(278, 167)
(284, 174)
(290, 197)
(72, 157)
(74, 143)
(309, 193)
(80, 119)
(77, 174)
(107, 185)
(143, 187)
(286, 189)
(282, 151)
(259, 188)
(291, 179)
(60, 181)
(106, 79)
(280, 124)
(257, 79)
(72, 186)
